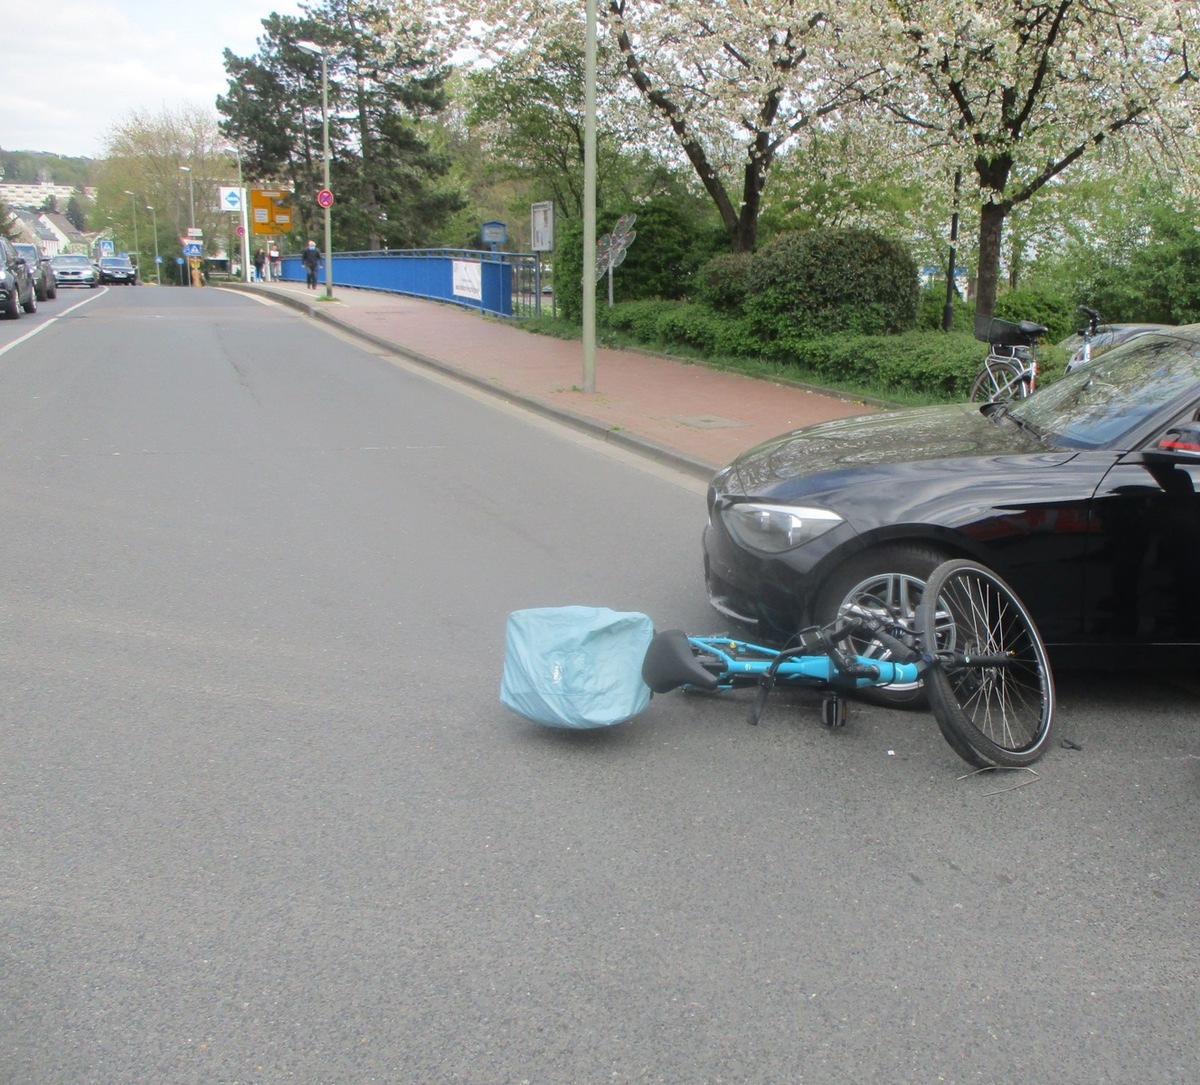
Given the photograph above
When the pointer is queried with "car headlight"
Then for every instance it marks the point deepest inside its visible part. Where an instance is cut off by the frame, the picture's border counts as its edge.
(775, 528)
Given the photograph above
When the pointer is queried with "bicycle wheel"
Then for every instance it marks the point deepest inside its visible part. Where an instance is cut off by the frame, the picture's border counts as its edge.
(1000, 381)
(990, 686)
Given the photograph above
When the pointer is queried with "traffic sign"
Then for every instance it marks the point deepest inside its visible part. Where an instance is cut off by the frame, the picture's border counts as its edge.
(230, 198)
(193, 248)
(325, 198)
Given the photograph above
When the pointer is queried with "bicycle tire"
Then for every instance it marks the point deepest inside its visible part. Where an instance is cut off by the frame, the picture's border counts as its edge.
(1000, 381)
(992, 716)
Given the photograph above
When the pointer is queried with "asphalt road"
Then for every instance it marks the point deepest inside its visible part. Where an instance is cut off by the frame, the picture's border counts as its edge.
(263, 819)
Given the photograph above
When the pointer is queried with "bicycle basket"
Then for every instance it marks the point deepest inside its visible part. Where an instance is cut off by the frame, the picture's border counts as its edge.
(575, 667)
(1005, 333)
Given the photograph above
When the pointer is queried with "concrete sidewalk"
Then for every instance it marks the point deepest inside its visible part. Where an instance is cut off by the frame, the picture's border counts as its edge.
(689, 416)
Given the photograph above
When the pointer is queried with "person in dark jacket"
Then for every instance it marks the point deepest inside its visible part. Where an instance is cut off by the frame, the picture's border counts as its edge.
(311, 258)
(260, 260)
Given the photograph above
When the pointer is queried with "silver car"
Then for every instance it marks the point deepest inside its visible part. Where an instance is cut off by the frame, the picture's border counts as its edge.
(71, 270)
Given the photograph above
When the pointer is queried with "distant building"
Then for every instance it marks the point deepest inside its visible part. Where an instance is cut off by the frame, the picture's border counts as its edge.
(34, 196)
(54, 233)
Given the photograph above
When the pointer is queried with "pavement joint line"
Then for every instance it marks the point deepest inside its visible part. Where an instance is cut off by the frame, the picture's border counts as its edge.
(622, 438)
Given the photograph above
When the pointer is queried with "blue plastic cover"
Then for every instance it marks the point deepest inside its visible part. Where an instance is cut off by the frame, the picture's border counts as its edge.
(575, 667)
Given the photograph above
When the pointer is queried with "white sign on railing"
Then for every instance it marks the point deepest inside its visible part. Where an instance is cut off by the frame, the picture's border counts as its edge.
(467, 279)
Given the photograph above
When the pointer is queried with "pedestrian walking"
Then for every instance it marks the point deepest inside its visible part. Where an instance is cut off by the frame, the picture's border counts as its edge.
(260, 259)
(311, 259)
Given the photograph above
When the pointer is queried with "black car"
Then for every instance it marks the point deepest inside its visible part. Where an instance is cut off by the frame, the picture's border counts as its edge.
(1083, 496)
(117, 269)
(16, 282)
(44, 285)
(73, 270)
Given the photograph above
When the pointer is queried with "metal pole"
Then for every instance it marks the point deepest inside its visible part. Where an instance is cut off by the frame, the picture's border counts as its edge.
(192, 197)
(325, 140)
(948, 308)
(589, 203)
(137, 245)
(245, 221)
(157, 265)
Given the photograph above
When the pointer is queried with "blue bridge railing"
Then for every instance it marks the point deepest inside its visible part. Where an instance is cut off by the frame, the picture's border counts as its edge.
(502, 283)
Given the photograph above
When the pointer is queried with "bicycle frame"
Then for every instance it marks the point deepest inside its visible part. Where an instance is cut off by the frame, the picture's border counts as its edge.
(819, 669)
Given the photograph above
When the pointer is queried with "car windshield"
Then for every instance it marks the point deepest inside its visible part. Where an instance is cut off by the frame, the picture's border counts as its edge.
(72, 261)
(114, 261)
(1098, 405)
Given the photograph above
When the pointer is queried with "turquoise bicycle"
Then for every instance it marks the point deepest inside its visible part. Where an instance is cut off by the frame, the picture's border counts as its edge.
(976, 649)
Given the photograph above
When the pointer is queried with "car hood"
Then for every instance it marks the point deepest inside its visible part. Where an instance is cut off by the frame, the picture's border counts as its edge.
(919, 443)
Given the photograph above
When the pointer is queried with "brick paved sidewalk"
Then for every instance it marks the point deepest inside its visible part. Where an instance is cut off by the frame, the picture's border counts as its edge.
(696, 417)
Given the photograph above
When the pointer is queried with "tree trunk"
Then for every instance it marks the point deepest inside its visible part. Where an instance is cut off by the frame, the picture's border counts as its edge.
(991, 226)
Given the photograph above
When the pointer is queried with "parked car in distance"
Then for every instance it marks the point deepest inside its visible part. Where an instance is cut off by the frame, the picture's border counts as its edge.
(44, 285)
(72, 270)
(1105, 338)
(117, 269)
(16, 282)
(1082, 496)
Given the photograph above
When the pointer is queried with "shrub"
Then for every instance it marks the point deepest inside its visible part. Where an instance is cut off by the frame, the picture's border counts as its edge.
(825, 282)
(723, 282)
(932, 311)
(1056, 311)
(933, 364)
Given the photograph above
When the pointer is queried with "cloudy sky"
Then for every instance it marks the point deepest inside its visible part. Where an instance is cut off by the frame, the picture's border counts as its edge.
(74, 68)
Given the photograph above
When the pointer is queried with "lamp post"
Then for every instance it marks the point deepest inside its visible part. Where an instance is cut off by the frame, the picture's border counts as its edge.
(192, 198)
(157, 265)
(320, 50)
(137, 245)
(191, 193)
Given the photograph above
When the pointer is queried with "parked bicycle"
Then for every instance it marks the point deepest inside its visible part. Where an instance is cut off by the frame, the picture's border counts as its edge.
(1010, 369)
(976, 648)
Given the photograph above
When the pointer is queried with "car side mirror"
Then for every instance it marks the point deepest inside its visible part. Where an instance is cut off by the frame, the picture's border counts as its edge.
(1179, 444)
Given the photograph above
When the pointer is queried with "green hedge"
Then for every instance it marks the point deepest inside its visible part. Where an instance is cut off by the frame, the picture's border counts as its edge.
(925, 363)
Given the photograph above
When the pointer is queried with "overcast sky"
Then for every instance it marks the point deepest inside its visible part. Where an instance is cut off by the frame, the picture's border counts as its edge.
(74, 68)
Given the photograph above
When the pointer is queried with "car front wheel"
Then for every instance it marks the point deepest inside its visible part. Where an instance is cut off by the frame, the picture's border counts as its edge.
(887, 583)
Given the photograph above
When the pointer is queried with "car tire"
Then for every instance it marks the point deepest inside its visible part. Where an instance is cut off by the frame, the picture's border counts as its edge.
(31, 305)
(52, 291)
(12, 308)
(888, 579)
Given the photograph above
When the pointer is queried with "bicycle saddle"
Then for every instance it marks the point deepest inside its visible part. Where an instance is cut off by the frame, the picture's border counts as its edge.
(670, 663)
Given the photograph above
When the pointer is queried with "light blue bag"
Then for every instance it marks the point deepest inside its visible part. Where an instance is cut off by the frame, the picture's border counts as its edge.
(575, 667)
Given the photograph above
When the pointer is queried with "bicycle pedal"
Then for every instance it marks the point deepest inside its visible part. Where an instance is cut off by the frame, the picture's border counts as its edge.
(833, 711)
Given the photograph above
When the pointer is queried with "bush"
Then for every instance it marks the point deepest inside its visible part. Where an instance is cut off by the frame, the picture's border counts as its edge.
(932, 310)
(639, 319)
(933, 364)
(825, 282)
(724, 281)
(1056, 311)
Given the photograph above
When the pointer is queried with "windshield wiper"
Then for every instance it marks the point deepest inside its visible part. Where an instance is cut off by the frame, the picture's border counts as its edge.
(1001, 410)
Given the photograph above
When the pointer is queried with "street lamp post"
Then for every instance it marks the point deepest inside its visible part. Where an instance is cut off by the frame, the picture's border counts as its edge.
(192, 200)
(157, 265)
(320, 50)
(137, 245)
